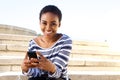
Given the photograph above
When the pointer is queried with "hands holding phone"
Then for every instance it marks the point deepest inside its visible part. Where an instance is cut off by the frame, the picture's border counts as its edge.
(36, 59)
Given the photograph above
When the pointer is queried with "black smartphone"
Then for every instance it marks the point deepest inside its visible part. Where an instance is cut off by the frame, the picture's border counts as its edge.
(32, 54)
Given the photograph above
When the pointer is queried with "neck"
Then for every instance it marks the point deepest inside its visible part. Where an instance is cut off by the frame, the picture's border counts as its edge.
(48, 39)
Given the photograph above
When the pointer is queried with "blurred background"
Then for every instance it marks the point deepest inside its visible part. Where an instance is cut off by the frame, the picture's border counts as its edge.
(93, 20)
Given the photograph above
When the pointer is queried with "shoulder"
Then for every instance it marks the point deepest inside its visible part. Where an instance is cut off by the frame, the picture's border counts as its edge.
(66, 42)
(32, 41)
(65, 39)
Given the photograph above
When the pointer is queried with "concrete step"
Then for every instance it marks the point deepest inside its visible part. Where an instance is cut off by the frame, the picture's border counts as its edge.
(13, 37)
(94, 75)
(8, 42)
(16, 60)
(80, 62)
(12, 76)
(96, 56)
(9, 29)
(91, 43)
(13, 53)
(12, 63)
(13, 47)
(77, 45)
(74, 75)
(94, 52)
(17, 49)
(93, 68)
(72, 55)
(80, 49)
(75, 49)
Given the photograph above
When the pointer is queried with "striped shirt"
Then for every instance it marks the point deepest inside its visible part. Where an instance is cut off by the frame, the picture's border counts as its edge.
(58, 54)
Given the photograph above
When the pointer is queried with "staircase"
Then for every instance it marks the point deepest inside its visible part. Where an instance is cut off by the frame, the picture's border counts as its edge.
(88, 60)
(12, 51)
(94, 56)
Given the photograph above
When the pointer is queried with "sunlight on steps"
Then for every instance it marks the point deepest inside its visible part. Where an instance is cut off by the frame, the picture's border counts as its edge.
(88, 59)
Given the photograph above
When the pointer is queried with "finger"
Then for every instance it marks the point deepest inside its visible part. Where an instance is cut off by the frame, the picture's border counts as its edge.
(39, 54)
(31, 64)
(40, 66)
(34, 64)
(42, 58)
(34, 60)
(26, 56)
(27, 62)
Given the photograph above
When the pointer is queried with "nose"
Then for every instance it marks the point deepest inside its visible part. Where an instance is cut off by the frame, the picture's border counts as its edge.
(48, 27)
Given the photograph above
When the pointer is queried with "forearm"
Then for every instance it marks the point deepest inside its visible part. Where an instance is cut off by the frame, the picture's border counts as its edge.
(56, 74)
(24, 68)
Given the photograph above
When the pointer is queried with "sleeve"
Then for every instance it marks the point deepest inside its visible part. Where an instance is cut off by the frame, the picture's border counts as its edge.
(62, 58)
(33, 71)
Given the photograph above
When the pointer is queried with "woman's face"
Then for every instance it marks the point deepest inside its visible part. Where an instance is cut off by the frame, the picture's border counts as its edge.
(49, 24)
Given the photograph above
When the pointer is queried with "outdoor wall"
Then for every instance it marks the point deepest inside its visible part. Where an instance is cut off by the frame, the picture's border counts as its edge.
(8, 29)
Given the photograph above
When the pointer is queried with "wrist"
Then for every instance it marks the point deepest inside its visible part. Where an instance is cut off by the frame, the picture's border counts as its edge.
(26, 73)
(53, 69)
(24, 68)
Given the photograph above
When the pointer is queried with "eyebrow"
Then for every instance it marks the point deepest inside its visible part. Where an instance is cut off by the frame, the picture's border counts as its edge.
(43, 20)
(46, 21)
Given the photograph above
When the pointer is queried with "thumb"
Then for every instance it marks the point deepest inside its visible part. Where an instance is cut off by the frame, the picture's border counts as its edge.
(39, 54)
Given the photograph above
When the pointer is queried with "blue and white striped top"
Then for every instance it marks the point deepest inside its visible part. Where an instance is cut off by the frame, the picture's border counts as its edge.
(58, 54)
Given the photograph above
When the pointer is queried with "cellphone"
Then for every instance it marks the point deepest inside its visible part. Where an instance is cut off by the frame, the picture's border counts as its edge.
(32, 54)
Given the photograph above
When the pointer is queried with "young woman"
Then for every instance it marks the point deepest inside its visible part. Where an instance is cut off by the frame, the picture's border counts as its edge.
(52, 48)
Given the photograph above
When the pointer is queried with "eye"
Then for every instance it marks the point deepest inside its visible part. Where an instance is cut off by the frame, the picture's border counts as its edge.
(53, 24)
(44, 23)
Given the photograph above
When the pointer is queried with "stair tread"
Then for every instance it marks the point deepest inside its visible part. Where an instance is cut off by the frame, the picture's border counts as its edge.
(17, 60)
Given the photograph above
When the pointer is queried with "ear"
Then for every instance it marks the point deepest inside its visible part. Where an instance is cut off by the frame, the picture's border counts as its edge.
(59, 24)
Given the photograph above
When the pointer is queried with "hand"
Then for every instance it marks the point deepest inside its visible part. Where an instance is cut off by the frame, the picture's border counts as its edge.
(45, 64)
(26, 64)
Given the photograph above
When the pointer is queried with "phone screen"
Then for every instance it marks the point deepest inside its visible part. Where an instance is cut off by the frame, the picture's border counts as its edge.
(32, 54)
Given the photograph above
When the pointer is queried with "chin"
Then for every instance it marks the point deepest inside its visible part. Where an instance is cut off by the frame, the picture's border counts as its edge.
(48, 35)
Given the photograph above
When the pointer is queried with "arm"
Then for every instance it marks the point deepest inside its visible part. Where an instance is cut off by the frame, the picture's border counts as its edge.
(62, 57)
(28, 66)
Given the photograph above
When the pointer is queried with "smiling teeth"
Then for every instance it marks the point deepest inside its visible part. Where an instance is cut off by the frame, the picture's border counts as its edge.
(48, 32)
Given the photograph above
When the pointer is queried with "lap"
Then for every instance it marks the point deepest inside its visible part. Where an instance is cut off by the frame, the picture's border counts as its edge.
(45, 78)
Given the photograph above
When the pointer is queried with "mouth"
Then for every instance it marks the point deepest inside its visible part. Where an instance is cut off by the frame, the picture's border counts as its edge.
(48, 32)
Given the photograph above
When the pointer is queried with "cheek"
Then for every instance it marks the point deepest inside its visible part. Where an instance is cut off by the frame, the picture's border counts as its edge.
(42, 28)
(57, 28)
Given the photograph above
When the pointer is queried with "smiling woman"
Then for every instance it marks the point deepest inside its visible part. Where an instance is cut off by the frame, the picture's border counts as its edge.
(52, 47)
